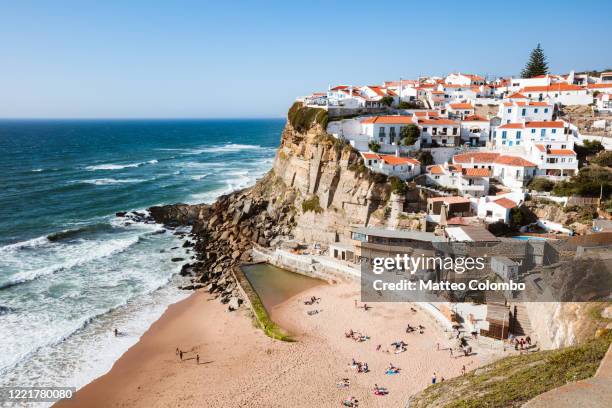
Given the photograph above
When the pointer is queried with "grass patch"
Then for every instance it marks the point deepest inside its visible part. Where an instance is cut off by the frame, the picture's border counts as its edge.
(303, 118)
(262, 319)
(312, 204)
(512, 381)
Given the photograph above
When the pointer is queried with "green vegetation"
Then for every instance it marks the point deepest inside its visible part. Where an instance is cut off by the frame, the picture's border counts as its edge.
(512, 381)
(387, 100)
(303, 118)
(262, 319)
(588, 149)
(312, 204)
(374, 146)
(589, 182)
(398, 186)
(408, 105)
(541, 184)
(536, 65)
(603, 159)
(425, 158)
(409, 134)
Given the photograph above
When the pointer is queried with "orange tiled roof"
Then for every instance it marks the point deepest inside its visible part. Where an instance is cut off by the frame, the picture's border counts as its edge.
(549, 124)
(475, 118)
(514, 161)
(437, 122)
(450, 200)
(599, 86)
(512, 126)
(540, 147)
(505, 202)
(477, 172)
(517, 95)
(461, 106)
(436, 169)
(552, 88)
(390, 159)
(562, 152)
(402, 120)
(479, 157)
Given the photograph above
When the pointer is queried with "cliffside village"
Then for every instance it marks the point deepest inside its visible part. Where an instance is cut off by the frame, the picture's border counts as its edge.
(483, 136)
(486, 140)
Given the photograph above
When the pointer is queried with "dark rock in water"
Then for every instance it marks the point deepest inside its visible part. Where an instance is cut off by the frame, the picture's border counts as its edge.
(6, 310)
(188, 244)
(161, 231)
(186, 270)
(161, 251)
(177, 259)
(174, 248)
(141, 215)
(120, 214)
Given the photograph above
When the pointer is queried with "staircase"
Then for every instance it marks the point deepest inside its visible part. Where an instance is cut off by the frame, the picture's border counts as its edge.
(520, 325)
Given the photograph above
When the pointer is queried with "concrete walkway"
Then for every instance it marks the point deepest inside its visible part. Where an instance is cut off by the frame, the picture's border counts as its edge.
(593, 392)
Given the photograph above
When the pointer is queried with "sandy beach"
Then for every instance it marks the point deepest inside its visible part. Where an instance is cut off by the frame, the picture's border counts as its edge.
(241, 367)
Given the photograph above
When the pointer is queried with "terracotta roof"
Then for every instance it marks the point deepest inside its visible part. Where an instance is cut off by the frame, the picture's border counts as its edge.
(450, 200)
(552, 88)
(562, 152)
(437, 122)
(339, 87)
(514, 161)
(394, 160)
(478, 157)
(436, 170)
(477, 172)
(599, 86)
(505, 202)
(461, 106)
(512, 126)
(437, 92)
(370, 156)
(427, 113)
(517, 95)
(376, 90)
(539, 104)
(402, 120)
(475, 118)
(540, 147)
(549, 124)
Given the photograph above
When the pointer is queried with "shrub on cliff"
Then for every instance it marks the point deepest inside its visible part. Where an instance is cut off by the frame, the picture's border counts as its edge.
(302, 118)
(603, 159)
(397, 185)
(541, 184)
(409, 134)
(425, 158)
(408, 105)
(591, 181)
(312, 204)
(374, 146)
(387, 100)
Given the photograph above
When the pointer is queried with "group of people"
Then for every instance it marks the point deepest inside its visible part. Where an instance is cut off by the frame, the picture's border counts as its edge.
(361, 367)
(356, 336)
(312, 301)
(522, 343)
(181, 353)
(412, 329)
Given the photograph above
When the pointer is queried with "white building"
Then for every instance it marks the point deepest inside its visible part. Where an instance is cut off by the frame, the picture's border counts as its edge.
(459, 109)
(602, 87)
(566, 94)
(472, 182)
(475, 130)
(604, 102)
(439, 132)
(512, 171)
(385, 130)
(518, 110)
(464, 79)
(517, 134)
(493, 209)
(404, 168)
(553, 163)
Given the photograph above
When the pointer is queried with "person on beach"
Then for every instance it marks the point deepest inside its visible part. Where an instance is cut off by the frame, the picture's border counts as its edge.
(181, 355)
(451, 351)
(176, 352)
(197, 359)
(116, 332)
(433, 378)
(438, 346)
(463, 370)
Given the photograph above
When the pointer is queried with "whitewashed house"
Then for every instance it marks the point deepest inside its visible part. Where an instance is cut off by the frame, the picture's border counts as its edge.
(385, 130)
(437, 99)
(603, 102)
(439, 132)
(513, 171)
(459, 109)
(553, 163)
(404, 168)
(516, 134)
(518, 110)
(494, 209)
(602, 87)
(464, 79)
(472, 182)
(566, 94)
(475, 130)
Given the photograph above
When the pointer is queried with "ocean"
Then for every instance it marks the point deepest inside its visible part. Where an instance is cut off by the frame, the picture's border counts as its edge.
(70, 271)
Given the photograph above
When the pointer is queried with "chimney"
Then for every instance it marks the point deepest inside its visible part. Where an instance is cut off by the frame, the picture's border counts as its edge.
(472, 160)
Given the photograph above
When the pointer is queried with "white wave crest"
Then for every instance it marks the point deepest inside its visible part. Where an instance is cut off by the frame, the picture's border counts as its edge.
(109, 181)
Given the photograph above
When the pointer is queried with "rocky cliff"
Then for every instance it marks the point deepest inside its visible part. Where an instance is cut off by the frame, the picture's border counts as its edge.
(317, 187)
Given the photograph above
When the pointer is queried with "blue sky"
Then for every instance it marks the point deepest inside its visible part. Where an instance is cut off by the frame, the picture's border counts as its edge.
(125, 59)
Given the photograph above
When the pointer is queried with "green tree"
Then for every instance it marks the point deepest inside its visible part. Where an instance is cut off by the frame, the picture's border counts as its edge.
(387, 100)
(397, 185)
(409, 134)
(603, 158)
(541, 184)
(374, 146)
(408, 105)
(425, 158)
(536, 65)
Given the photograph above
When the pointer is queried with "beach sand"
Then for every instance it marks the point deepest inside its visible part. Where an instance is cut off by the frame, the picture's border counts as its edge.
(241, 367)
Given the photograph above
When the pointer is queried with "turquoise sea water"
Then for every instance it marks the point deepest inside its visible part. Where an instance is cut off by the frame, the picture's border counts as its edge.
(70, 271)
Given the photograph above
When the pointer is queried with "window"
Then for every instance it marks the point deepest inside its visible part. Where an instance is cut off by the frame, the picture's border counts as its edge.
(543, 132)
(518, 142)
(454, 131)
(392, 133)
(554, 131)
(510, 143)
(518, 174)
(381, 132)
(532, 130)
(504, 134)
(518, 134)
(509, 110)
(545, 110)
(503, 142)
(563, 146)
(524, 112)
